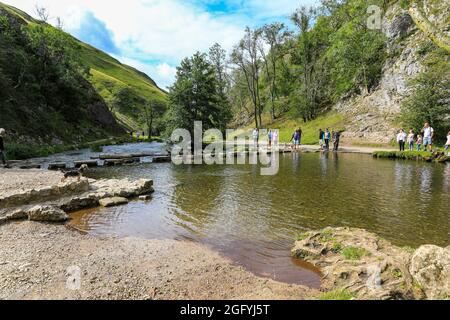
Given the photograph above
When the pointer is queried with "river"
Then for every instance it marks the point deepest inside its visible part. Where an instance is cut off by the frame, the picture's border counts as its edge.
(254, 219)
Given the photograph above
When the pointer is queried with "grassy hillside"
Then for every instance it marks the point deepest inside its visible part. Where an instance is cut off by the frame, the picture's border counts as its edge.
(44, 97)
(287, 126)
(124, 88)
(56, 89)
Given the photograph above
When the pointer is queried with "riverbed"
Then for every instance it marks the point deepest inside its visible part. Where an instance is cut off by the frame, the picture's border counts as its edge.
(254, 219)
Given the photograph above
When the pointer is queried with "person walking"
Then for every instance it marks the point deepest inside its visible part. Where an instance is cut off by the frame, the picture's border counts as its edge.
(401, 139)
(419, 142)
(270, 137)
(411, 137)
(321, 138)
(336, 140)
(428, 135)
(2, 148)
(327, 137)
(447, 144)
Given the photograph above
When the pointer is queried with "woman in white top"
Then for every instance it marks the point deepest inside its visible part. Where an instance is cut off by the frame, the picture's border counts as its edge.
(401, 139)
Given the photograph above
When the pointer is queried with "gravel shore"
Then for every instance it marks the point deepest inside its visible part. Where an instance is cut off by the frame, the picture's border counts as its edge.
(35, 257)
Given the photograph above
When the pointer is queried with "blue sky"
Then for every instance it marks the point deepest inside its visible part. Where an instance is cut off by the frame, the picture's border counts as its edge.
(154, 35)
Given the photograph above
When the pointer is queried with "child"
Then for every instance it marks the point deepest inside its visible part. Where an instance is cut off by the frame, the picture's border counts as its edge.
(419, 142)
(411, 137)
(447, 145)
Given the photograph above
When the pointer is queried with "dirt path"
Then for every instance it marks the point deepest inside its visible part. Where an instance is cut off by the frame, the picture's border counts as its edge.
(34, 259)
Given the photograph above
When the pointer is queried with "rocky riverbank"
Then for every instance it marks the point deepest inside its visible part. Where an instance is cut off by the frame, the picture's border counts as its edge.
(42, 196)
(38, 260)
(363, 266)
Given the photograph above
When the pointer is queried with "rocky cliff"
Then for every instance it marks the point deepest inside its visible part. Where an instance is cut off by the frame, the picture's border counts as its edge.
(374, 117)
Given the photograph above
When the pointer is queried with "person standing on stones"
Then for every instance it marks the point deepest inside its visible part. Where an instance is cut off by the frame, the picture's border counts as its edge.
(336, 140)
(296, 138)
(401, 139)
(2, 148)
(327, 137)
(256, 137)
(270, 138)
(321, 138)
(275, 138)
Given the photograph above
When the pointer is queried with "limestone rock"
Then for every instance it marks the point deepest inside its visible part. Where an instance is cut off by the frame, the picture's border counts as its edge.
(46, 214)
(430, 267)
(359, 261)
(114, 201)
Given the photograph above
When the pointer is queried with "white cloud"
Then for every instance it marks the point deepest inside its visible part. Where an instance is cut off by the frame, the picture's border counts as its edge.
(163, 31)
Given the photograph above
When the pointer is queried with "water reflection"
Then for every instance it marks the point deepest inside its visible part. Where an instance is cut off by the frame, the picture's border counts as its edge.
(253, 219)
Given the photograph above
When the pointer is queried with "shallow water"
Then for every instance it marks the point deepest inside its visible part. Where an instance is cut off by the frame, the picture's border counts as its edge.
(253, 219)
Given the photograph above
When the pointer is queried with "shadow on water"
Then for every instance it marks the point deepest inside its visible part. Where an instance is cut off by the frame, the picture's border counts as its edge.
(253, 219)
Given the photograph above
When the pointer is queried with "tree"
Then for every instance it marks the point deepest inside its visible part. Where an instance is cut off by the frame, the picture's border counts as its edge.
(195, 96)
(306, 56)
(42, 13)
(247, 57)
(152, 110)
(217, 57)
(274, 35)
(429, 101)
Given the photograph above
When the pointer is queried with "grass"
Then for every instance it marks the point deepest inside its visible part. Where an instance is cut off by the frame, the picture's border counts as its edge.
(339, 294)
(310, 129)
(405, 155)
(336, 248)
(397, 273)
(326, 235)
(353, 253)
(302, 236)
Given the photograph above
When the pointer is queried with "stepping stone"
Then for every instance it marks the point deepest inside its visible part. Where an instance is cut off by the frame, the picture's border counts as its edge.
(57, 166)
(161, 159)
(89, 163)
(112, 202)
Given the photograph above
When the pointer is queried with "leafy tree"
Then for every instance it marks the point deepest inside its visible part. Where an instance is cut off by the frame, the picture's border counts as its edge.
(247, 57)
(153, 110)
(429, 101)
(274, 35)
(195, 96)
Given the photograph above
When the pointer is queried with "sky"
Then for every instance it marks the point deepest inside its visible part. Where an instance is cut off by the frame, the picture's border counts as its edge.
(155, 35)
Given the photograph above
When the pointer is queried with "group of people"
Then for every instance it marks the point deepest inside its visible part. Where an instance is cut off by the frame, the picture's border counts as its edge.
(272, 137)
(416, 142)
(326, 137)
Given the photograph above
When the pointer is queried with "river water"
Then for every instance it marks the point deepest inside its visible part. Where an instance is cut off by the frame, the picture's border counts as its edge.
(253, 219)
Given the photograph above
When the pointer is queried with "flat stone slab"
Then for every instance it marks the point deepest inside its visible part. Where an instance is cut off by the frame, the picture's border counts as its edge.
(89, 163)
(161, 159)
(118, 162)
(57, 166)
(112, 202)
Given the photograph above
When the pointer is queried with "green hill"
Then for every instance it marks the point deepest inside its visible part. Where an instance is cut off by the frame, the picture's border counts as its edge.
(55, 89)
